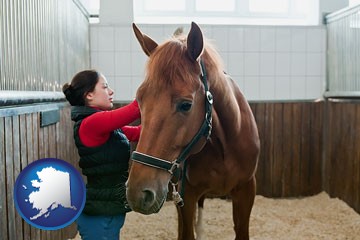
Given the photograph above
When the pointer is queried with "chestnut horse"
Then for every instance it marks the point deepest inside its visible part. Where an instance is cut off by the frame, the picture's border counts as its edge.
(185, 89)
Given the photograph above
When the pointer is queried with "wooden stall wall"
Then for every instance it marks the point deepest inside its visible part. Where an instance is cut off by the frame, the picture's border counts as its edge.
(342, 155)
(22, 142)
(291, 135)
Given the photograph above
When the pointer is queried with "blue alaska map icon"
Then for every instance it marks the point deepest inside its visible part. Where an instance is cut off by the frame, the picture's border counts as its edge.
(49, 194)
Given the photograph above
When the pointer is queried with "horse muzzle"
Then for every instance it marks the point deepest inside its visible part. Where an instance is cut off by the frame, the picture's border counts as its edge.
(146, 200)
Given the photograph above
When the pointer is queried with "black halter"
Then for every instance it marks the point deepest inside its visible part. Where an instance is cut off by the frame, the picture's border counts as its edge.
(204, 131)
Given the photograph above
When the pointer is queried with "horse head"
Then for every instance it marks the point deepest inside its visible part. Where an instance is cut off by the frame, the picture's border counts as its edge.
(171, 99)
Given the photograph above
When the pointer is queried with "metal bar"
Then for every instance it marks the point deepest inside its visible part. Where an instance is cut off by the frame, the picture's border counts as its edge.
(346, 94)
(341, 13)
(82, 8)
(343, 55)
(42, 43)
(6, 42)
(1, 45)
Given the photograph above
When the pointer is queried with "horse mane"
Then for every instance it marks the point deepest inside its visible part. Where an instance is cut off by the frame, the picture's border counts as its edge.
(170, 62)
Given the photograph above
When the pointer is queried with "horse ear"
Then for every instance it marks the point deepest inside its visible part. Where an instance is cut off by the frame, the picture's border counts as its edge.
(147, 44)
(195, 42)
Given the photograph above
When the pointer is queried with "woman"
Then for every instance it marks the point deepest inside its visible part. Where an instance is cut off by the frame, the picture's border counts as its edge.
(102, 139)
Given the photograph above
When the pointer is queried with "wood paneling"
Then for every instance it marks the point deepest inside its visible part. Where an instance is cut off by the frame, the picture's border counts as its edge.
(22, 142)
(3, 185)
(291, 148)
(309, 147)
(342, 155)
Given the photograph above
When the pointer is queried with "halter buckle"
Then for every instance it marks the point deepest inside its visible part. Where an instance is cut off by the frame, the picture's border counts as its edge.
(209, 97)
(174, 166)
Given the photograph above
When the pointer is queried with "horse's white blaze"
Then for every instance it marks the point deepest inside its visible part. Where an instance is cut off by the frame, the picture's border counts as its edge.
(199, 228)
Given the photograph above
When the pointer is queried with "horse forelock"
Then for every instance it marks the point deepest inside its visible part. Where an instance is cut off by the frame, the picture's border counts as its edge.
(169, 64)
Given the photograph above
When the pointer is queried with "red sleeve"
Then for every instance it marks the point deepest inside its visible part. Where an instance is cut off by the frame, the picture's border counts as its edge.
(132, 132)
(96, 128)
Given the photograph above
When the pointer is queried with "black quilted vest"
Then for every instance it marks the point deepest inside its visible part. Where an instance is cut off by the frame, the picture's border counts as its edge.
(106, 169)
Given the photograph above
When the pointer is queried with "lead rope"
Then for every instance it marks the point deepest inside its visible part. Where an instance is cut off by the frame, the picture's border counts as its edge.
(183, 180)
(176, 196)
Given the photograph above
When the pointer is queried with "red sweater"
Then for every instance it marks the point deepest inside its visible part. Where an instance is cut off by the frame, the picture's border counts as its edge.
(95, 129)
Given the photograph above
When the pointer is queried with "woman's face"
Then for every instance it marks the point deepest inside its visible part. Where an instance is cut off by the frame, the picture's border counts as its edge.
(102, 96)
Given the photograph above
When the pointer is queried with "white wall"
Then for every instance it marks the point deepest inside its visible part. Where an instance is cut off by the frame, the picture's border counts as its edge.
(354, 2)
(116, 11)
(268, 63)
(329, 6)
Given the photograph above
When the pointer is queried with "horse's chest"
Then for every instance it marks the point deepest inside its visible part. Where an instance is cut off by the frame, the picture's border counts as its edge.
(208, 171)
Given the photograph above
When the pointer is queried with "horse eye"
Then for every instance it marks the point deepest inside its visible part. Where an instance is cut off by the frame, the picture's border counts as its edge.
(184, 106)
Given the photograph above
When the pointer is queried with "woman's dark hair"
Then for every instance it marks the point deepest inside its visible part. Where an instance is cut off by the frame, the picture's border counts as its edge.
(81, 84)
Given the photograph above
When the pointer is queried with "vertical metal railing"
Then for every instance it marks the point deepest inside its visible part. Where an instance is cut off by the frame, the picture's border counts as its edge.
(343, 59)
(43, 43)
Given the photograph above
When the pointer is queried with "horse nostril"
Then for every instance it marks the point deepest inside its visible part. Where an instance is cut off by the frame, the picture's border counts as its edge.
(149, 198)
